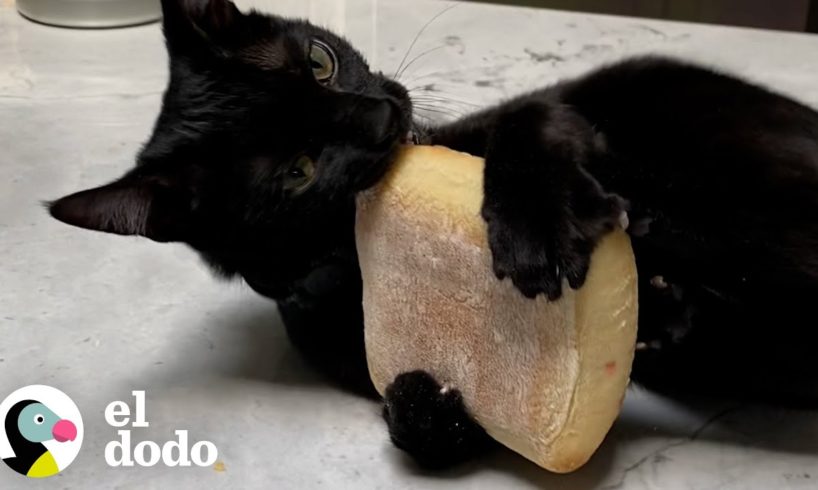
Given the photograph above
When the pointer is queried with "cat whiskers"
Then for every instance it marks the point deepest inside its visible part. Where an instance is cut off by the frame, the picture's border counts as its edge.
(425, 100)
(416, 58)
(437, 96)
(432, 101)
(424, 120)
(437, 73)
(417, 36)
(448, 113)
(439, 105)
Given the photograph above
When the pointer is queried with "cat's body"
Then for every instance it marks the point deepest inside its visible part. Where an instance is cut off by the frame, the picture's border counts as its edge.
(721, 183)
(270, 127)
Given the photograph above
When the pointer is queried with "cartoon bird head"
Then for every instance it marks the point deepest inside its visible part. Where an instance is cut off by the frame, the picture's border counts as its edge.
(38, 423)
(28, 424)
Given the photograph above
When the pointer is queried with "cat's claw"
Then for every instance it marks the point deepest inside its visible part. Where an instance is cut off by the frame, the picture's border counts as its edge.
(624, 220)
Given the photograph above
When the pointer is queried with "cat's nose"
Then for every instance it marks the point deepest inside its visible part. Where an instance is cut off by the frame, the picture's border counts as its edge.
(379, 119)
(385, 121)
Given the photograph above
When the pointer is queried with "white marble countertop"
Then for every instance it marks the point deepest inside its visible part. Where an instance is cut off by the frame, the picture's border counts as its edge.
(99, 316)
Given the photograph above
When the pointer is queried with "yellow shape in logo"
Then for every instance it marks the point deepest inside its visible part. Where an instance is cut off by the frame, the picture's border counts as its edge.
(45, 466)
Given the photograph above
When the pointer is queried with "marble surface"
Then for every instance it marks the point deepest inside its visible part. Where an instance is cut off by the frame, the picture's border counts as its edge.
(99, 316)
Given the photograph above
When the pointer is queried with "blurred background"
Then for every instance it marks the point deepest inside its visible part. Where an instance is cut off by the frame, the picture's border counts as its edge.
(792, 15)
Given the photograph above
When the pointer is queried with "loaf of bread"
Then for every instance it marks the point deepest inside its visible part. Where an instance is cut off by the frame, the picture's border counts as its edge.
(544, 378)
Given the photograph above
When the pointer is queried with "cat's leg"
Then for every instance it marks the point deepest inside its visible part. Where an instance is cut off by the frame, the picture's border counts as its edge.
(430, 422)
(331, 340)
(326, 325)
(545, 212)
(701, 333)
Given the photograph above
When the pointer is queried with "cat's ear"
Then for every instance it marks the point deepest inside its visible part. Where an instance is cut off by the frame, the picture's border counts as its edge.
(190, 20)
(131, 206)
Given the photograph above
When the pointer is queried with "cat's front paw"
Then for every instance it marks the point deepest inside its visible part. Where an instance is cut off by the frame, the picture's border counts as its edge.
(430, 422)
(545, 212)
(542, 247)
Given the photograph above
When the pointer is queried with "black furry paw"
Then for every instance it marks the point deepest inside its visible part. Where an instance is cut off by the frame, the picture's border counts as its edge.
(430, 422)
(545, 213)
(540, 250)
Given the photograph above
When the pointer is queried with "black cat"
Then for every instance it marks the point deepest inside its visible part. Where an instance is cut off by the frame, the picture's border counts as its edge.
(270, 126)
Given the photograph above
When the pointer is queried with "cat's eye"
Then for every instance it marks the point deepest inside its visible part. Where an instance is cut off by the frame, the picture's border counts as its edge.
(39, 419)
(300, 174)
(322, 62)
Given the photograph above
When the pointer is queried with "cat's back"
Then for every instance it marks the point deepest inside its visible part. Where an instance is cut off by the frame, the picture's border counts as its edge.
(662, 86)
(671, 111)
(722, 155)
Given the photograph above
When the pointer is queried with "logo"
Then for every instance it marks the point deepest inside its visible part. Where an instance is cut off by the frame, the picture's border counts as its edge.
(41, 431)
(176, 452)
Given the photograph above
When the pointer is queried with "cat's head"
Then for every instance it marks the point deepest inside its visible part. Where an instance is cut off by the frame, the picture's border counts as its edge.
(268, 128)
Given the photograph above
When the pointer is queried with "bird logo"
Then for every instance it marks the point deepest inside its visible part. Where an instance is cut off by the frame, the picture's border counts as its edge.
(43, 431)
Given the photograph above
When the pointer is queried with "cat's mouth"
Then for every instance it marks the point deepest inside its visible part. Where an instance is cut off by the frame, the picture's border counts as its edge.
(410, 138)
(373, 172)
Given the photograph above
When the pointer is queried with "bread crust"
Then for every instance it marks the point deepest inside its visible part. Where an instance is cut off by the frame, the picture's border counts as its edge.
(546, 379)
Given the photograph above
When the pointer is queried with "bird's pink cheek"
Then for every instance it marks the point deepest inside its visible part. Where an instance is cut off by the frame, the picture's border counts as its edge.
(64, 430)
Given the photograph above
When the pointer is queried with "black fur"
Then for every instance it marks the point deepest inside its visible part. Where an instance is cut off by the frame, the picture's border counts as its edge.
(540, 150)
(431, 422)
(241, 106)
(719, 178)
